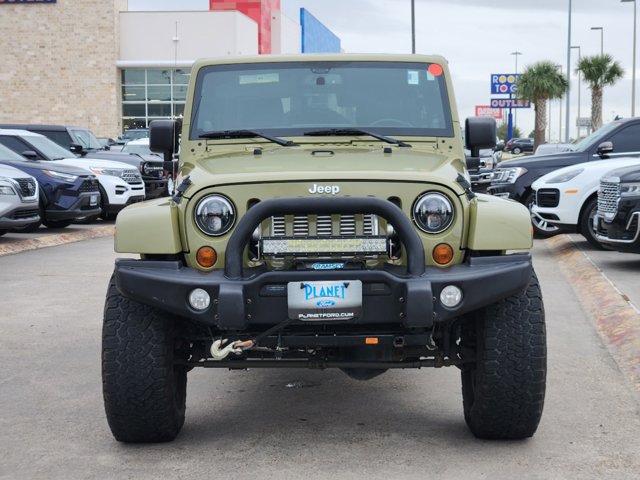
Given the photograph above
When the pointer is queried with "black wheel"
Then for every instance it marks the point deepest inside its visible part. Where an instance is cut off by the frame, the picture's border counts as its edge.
(144, 390)
(517, 150)
(503, 390)
(586, 223)
(541, 227)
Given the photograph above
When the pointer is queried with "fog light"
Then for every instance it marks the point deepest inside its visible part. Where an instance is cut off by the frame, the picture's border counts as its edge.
(199, 299)
(451, 296)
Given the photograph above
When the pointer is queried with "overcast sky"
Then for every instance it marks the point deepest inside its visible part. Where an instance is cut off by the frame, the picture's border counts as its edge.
(478, 36)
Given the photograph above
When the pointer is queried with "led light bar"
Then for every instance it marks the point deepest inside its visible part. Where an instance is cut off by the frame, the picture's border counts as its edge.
(320, 246)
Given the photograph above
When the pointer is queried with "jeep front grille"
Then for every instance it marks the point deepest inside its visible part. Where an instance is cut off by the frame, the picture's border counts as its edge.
(608, 196)
(342, 234)
(324, 225)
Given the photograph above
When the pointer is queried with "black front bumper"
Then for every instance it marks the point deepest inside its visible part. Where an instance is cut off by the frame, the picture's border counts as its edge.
(244, 298)
(622, 233)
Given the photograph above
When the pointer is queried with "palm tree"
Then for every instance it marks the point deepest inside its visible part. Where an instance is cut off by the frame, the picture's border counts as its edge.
(540, 82)
(599, 71)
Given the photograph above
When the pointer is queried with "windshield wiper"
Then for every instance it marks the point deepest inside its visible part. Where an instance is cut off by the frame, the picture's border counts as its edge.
(223, 134)
(356, 131)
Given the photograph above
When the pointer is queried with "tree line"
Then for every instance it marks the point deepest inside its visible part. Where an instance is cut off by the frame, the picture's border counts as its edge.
(543, 81)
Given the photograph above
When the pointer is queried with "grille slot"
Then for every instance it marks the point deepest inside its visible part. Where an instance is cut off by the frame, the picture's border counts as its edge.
(548, 197)
(132, 177)
(28, 187)
(89, 186)
(325, 225)
(608, 196)
(26, 214)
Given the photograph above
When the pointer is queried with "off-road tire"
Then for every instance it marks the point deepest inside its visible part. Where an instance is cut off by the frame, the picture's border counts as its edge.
(503, 390)
(586, 225)
(144, 390)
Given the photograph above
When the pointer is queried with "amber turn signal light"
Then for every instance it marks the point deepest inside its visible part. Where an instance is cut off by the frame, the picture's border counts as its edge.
(442, 253)
(206, 257)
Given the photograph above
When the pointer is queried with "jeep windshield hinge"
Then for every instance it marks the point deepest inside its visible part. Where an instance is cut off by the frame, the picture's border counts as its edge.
(466, 185)
(181, 189)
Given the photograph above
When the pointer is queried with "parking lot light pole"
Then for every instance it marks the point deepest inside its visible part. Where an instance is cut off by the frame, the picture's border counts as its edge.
(579, 81)
(633, 73)
(413, 26)
(602, 34)
(515, 113)
(567, 126)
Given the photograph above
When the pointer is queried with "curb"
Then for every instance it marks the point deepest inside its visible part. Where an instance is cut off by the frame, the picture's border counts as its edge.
(615, 318)
(53, 240)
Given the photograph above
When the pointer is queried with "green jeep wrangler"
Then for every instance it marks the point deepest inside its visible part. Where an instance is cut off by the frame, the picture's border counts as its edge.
(323, 218)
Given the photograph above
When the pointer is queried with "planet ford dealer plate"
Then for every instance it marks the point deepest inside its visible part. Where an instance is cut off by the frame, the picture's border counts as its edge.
(322, 301)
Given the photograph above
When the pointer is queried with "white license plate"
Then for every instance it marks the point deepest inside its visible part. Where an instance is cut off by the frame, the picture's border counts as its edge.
(324, 301)
(93, 200)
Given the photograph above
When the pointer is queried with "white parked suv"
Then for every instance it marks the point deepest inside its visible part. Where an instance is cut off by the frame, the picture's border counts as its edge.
(18, 199)
(566, 200)
(120, 183)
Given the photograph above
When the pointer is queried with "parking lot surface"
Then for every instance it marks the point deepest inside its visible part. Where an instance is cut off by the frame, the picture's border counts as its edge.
(298, 423)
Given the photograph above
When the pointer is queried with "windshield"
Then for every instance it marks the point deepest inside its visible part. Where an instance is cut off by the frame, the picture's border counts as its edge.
(8, 154)
(87, 139)
(294, 98)
(50, 149)
(595, 138)
(139, 149)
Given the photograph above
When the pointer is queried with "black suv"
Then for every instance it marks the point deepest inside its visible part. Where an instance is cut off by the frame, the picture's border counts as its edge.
(66, 193)
(617, 222)
(513, 178)
(82, 142)
(519, 145)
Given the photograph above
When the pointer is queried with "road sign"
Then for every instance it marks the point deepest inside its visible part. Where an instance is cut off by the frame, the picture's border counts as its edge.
(509, 103)
(503, 83)
(582, 122)
(487, 111)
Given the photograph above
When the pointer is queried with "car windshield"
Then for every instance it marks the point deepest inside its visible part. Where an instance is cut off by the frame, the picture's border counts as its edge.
(87, 139)
(595, 137)
(283, 99)
(8, 154)
(49, 148)
(142, 149)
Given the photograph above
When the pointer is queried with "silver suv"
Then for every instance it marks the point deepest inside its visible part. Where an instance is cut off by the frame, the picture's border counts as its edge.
(18, 199)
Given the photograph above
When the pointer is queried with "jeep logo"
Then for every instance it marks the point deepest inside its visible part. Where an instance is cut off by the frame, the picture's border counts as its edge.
(332, 189)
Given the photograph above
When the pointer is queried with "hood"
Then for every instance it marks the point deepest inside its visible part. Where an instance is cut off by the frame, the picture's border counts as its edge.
(12, 172)
(35, 165)
(88, 163)
(555, 160)
(626, 174)
(591, 171)
(332, 163)
(119, 156)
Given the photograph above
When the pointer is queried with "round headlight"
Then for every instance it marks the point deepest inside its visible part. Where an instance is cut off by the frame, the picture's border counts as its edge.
(215, 215)
(433, 212)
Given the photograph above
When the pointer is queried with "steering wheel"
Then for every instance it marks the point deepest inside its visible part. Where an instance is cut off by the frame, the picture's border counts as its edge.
(390, 122)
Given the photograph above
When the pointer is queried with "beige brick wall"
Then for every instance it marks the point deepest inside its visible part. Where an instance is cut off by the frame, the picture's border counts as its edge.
(58, 64)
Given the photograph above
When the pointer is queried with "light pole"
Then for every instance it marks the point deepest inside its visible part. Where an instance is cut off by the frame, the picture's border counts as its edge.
(413, 26)
(602, 34)
(515, 113)
(566, 129)
(633, 73)
(579, 81)
(559, 67)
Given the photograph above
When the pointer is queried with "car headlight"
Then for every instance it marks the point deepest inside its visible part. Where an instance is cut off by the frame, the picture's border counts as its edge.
(508, 175)
(106, 171)
(565, 177)
(6, 189)
(630, 189)
(215, 215)
(65, 177)
(433, 212)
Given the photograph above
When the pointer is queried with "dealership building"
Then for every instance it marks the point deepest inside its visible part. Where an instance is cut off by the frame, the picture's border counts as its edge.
(119, 64)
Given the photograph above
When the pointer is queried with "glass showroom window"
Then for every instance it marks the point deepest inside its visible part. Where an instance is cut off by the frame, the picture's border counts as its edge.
(152, 93)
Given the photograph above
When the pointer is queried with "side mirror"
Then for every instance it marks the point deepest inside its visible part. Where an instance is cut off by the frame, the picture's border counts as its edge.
(163, 138)
(75, 148)
(29, 154)
(604, 149)
(480, 132)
